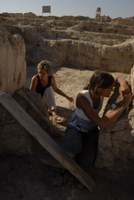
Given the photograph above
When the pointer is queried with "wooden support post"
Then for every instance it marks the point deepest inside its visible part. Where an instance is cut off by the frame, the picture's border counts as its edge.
(45, 140)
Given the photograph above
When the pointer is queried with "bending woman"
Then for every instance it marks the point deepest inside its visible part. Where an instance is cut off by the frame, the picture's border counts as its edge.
(45, 84)
(81, 137)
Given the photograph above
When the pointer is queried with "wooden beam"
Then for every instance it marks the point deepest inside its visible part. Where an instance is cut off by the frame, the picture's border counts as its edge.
(45, 140)
(22, 94)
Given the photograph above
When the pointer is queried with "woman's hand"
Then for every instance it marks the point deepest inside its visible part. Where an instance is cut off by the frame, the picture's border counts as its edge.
(124, 87)
(124, 90)
(127, 99)
(70, 98)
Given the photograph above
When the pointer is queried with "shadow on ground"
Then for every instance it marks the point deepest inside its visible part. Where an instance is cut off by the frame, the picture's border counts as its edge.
(25, 178)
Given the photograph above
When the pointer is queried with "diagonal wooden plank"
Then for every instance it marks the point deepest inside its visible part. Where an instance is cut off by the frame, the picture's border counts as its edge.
(46, 120)
(45, 140)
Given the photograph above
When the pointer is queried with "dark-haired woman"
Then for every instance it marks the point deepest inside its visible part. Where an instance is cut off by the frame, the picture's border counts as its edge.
(81, 137)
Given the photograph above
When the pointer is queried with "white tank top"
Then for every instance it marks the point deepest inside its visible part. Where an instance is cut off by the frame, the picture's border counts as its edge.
(80, 113)
(79, 120)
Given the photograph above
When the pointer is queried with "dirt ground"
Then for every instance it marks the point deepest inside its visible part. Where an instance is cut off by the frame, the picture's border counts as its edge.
(26, 178)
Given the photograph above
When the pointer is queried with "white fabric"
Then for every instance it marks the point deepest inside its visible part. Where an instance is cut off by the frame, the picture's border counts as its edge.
(80, 113)
(49, 98)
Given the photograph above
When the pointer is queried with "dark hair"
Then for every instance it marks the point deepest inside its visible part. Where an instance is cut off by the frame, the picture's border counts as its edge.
(101, 79)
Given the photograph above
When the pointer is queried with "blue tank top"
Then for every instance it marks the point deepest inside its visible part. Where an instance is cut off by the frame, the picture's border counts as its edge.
(40, 88)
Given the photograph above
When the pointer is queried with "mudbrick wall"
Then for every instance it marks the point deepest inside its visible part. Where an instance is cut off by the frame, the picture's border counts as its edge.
(116, 58)
(12, 61)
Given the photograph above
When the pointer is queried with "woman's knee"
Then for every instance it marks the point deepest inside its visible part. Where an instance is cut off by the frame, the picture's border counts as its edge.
(49, 97)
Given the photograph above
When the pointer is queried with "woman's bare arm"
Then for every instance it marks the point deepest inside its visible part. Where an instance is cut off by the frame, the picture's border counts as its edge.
(124, 88)
(59, 91)
(107, 120)
(33, 83)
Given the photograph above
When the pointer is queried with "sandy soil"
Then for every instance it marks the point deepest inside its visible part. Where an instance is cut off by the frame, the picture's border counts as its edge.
(26, 178)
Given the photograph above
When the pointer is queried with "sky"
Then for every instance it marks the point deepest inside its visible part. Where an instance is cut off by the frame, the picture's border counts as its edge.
(112, 8)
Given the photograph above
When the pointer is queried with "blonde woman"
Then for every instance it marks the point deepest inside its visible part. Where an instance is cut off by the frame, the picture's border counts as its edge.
(45, 84)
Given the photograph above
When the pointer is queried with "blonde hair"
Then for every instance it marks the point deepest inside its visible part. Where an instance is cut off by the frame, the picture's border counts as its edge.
(46, 65)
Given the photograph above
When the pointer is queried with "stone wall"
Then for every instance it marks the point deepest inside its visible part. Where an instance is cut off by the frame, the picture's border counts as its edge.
(116, 144)
(12, 61)
(75, 41)
(116, 58)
